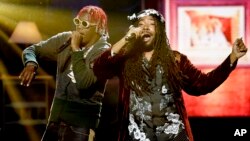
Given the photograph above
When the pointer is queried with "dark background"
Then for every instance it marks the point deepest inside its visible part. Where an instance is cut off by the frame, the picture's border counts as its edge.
(204, 128)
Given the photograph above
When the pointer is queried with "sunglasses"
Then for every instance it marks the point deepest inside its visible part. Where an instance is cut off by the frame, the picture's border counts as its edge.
(85, 24)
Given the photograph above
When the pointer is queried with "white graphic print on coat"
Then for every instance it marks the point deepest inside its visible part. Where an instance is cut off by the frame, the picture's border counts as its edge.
(141, 111)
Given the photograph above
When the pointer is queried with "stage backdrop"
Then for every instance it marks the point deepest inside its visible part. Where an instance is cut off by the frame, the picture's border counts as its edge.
(204, 30)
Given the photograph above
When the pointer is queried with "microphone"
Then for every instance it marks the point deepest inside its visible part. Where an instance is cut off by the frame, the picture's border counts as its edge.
(130, 37)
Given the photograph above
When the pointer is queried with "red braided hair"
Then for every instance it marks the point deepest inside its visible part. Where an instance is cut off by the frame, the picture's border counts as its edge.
(96, 15)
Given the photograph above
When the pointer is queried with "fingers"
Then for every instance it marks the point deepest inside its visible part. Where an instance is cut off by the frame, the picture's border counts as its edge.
(27, 74)
(240, 45)
(131, 26)
(76, 40)
(26, 78)
(239, 48)
(31, 78)
(133, 29)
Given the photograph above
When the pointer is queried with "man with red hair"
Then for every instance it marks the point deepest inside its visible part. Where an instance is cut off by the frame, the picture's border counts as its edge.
(76, 107)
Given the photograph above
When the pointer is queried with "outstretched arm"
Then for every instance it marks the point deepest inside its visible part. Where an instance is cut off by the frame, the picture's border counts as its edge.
(199, 83)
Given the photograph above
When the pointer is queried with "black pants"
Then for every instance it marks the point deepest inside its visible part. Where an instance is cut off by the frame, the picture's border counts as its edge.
(64, 132)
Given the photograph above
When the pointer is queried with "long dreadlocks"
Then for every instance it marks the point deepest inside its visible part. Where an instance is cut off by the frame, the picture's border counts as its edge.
(163, 56)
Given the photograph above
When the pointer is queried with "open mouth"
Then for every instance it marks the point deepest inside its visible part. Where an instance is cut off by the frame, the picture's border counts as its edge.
(146, 37)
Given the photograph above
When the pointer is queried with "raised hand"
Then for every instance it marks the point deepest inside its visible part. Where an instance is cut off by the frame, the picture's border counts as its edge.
(76, 41)
(239, 48)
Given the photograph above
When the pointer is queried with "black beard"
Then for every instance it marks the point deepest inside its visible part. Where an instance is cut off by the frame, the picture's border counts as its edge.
(143, 47)
(147, 48)
(138, 47)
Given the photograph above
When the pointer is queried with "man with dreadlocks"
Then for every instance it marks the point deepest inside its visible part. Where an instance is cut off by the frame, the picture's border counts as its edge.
(152, 76)
(77, 102)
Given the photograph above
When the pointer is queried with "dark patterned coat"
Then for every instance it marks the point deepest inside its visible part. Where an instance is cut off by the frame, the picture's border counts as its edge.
(196, 83)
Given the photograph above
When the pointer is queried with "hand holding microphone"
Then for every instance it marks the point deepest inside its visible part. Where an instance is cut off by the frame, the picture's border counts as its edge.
(130, 37)
(133, 33)
(126, 43)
